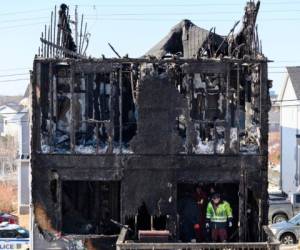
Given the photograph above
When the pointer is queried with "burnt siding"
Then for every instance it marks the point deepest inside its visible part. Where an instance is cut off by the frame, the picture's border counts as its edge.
(159, 103)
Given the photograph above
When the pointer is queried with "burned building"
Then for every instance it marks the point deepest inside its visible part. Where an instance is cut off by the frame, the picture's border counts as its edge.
(121, 140)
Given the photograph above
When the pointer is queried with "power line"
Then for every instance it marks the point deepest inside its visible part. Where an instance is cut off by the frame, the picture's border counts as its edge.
(15, 80)
(23, 12)
(186, 13)
(10, 104)
(152, 5)
(196, 20)
(23, 19)
(13, 113)
(149, 5)
(155, 14)
(14, 121)
(96, 17)
(179, 5)
(14, 69)
(144, 19)
(21, 25)
(22, 74)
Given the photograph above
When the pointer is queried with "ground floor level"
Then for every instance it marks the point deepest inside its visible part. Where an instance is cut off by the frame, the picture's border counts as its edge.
(97, 197)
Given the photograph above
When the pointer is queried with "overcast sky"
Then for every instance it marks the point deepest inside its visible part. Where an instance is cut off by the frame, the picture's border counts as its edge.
(133, 27)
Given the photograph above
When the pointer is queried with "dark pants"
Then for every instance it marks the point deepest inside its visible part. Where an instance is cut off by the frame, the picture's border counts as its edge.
(219, 234)
(188, 231)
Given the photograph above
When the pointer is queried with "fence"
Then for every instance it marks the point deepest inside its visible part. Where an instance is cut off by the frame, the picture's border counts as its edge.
(271, 244)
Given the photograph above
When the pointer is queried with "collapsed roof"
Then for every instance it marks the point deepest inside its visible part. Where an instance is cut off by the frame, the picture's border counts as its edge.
(190, 41)
(184, 39)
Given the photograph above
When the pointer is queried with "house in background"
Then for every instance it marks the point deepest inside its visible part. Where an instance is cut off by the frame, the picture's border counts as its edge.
(8, 112)
(9, 108)
(22, 122)
(274, 143)
(15, 124)
(274, 113)
(8, 141)
(1, 124)
(290, 130)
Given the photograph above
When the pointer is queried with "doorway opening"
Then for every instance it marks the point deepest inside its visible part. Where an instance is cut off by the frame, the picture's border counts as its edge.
(89, 206)
(192, 203)
(144, 221)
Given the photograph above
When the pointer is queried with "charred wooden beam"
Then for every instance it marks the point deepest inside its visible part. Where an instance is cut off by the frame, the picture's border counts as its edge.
(51, 97)
(120, 109)
(227, 115)
(111, 130)
(61, 49)
(238, 102)
(72, 108)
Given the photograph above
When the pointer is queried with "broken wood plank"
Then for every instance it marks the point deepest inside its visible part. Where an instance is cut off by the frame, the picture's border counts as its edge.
(50, 97)
(62, 49)
(111, 129)
(227, 115)
(72, 107)
(120, 108)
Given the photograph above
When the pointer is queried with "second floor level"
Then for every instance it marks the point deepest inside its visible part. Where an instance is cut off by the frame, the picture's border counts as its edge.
(143, 106)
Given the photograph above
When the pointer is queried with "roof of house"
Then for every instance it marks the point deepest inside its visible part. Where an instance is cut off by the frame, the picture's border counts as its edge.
(13, 112)
(12, 105)
(7, 110)
(18, 116)
(185, 38)
(294, 74)
(27, 91)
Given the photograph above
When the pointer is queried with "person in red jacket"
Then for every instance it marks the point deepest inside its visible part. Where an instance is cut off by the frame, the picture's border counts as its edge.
(189, 217)
(201, 199)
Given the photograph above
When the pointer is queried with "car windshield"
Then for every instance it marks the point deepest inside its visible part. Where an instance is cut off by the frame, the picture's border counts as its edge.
(295, 220)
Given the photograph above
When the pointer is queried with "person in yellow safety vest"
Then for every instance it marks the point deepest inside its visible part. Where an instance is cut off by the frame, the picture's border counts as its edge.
(218, 218)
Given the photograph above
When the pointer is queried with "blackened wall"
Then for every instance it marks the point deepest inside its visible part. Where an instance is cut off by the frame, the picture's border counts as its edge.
(152, 172)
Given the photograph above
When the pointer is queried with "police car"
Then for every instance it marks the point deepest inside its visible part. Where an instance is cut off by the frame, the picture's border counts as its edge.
(11, 219)
(12, 236)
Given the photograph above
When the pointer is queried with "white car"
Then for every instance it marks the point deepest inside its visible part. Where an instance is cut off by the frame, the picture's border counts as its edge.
(288, 232)
(12, 236)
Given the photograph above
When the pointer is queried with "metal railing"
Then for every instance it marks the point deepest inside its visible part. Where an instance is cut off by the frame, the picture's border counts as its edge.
(122, 244)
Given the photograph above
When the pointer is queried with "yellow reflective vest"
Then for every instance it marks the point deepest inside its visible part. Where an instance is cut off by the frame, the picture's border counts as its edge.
(220, 214)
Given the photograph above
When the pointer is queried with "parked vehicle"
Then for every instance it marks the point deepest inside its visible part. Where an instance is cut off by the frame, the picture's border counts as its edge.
(283, 207)
(11, 219)
(12, 236)
(288, 232)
